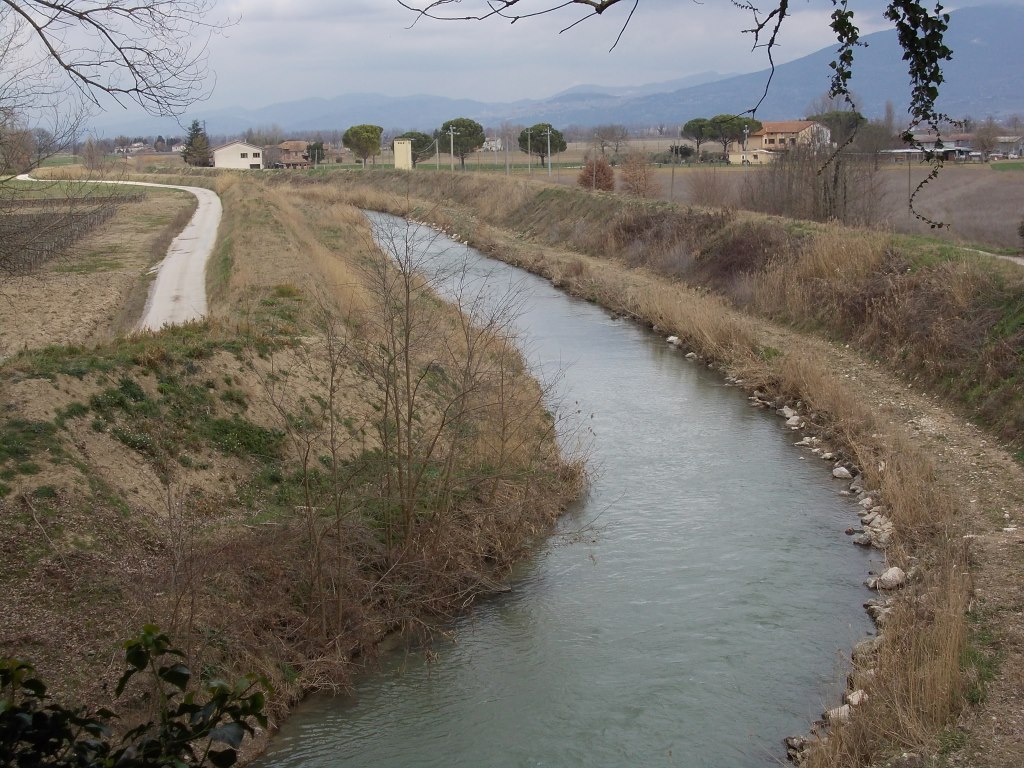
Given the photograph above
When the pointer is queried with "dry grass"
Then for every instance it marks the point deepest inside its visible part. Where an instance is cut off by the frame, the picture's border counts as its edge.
(914, 682)
(711, 187)
(810, 287)
(274, 236)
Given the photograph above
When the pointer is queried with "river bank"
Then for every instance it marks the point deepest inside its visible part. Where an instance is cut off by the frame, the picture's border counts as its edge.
(664, 611)
(952, 491)
(262, 485)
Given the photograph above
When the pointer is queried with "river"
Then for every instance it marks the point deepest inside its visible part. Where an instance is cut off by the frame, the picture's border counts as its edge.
(696, 608)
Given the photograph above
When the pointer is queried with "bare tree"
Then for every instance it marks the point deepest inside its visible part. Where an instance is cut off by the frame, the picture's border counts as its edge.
(849, 190)
(986, 136)
(454, 399)
(614, 136)
(138, 50)
(638, 177)
(58, 60)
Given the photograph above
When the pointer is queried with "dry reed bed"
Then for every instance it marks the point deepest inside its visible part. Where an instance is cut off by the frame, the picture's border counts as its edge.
(918, 684)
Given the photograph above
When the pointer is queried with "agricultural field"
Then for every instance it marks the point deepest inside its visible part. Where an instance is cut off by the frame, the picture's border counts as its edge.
(92, 257)
(980, 204)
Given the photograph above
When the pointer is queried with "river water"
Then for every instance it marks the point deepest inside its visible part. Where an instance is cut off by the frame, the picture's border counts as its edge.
(696, 609)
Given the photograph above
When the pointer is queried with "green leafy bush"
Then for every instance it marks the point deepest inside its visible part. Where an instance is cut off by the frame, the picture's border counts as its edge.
(193, 727)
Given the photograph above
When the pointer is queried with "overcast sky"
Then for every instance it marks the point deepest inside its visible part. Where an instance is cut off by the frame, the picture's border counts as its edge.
(281, 50)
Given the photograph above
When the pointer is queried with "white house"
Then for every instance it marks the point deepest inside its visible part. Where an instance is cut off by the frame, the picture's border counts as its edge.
(238, 154)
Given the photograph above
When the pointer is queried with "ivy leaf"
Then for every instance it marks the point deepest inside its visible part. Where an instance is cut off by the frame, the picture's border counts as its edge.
(136, 655)
(177, 675)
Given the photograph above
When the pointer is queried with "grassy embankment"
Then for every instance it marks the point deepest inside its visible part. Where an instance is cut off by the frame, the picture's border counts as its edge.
(945, 321)
(332, 456)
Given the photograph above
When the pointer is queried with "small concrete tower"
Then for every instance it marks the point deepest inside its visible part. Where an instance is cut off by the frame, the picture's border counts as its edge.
(403, 154)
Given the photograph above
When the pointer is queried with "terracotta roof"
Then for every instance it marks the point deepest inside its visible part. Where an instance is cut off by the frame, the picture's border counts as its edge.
(293, 145)
(785, 126)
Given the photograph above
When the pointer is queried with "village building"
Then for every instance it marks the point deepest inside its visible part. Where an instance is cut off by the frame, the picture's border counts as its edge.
(788, 134)
(292, 154)
(776, 138)
(1010, 146)
(238, 155)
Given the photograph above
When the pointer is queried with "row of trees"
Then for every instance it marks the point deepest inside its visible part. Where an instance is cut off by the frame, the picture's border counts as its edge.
(724, 129)
(460, 137)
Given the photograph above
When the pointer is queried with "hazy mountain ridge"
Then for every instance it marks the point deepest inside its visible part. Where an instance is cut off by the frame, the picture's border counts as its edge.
(985, 42)
(986, 50)
(663, 86)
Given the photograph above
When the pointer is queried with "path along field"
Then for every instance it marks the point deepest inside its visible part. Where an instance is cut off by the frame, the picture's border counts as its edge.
(102, 290)
(178, 294)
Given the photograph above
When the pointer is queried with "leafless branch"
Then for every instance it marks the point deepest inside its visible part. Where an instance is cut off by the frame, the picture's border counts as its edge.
(152, 52)
(765, 29)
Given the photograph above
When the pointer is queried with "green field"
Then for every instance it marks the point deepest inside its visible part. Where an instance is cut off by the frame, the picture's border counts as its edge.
(60, 160)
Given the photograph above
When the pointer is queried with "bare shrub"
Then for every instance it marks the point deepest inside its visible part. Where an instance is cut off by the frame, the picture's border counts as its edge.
(638, 177)
(656, 235)
(597, 173)
(804, 184)
(33, 232)
(444, 376)
(709, 187)
(730, 262)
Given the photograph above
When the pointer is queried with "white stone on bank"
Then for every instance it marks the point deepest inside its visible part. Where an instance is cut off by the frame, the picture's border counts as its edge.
(892, 578)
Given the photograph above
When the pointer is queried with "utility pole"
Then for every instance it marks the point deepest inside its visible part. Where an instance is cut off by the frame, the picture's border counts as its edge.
(451, 144)
(547, 132)
(529, 152)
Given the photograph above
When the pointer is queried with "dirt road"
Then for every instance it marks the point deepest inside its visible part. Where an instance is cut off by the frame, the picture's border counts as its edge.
(178, 294)
(179, 291)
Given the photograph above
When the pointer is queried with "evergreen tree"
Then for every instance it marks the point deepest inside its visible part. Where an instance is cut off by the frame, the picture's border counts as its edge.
(534, 141)
(461, 136)
(363, 140)
(197, 147)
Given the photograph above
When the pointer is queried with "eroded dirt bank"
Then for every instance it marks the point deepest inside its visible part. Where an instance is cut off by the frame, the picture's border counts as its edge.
(263, 485)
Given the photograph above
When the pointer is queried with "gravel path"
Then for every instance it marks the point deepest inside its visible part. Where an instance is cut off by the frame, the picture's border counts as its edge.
(178, 295)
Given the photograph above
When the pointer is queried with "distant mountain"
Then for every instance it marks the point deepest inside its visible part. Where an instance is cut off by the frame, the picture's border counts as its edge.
(984, 78)
(643, 90)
